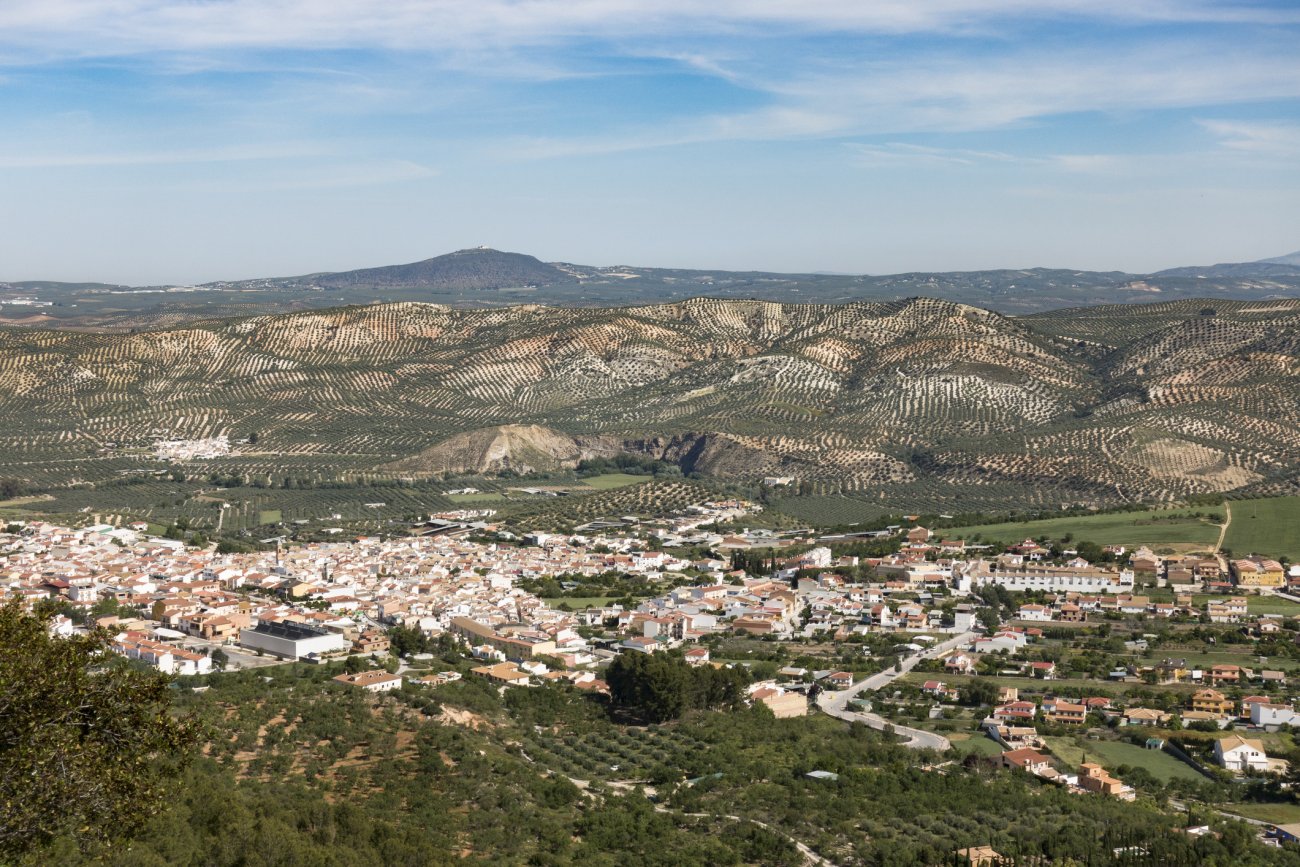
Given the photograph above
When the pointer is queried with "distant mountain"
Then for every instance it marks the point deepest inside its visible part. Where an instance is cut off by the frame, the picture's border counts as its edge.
(484, 277)
(478, 268)
(1278, 266)
(916, 403)
(1289, 259)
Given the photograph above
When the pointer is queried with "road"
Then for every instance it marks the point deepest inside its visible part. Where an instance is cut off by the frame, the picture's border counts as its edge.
(1223, 528)
(836, 703)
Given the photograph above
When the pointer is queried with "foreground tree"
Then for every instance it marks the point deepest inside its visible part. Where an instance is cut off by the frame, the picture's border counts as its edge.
(87, 743)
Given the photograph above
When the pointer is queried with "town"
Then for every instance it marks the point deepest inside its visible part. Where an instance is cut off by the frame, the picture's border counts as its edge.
(1138, 670)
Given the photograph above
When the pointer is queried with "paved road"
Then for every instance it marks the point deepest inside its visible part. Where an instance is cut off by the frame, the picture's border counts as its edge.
(836, 703)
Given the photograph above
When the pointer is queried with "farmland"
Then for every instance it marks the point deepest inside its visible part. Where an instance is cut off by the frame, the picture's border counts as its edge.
(606, 481)
(989, 413)
(1186, 528)
(1269, 526)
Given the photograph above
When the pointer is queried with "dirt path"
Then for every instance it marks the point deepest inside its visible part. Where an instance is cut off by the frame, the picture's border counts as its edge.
(1223, 528)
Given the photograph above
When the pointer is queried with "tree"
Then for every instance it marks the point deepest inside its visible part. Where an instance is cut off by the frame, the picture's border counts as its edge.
(220, 658)
(87, 743)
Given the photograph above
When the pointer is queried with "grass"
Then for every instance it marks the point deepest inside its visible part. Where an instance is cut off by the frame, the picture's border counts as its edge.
(1112, 754)
(1271, 605)
(1270, 527)
(269, 516)
(489, 497)
(1156, 528)
(966, 743)
(577, 603)
(1066, 686)
(608, 481)
(1276, 814)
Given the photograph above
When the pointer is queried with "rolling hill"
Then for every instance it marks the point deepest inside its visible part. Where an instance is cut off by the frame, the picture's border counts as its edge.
(898, 401)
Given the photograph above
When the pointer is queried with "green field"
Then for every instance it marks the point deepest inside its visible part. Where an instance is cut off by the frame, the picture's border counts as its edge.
(1157, 528)
(1112, 754)
(965, 744)
(1276, 814)
(1066, 686)
(269, 516)
(1256, 604)
(482, 497)
(1270, 527)
(577, 603)
(606, 481)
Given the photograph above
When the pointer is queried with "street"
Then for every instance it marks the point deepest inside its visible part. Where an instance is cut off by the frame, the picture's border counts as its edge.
(836, 703)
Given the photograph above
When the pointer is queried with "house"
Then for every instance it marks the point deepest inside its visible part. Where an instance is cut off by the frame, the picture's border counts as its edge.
(1145, 716)
(1225, 674)
(371, 642)
(641, 645)
(979, 856)
(1211, 701)
(1094, 778)
(697, 656)
(1026, 760)
(1240, 754)
(938, 689)
(1267, 715)
(1250, 701)
(1071, 613)
(1039, 613)
(504, 673)
(1255, 572)
(1043, 670)
(372, 681)
(1016, 711)
(960, 663)
(1173, 671)
(839, 679)
(783, 703)
(1057, 711)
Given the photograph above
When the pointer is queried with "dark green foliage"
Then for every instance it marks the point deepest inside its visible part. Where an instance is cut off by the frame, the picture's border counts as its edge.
(87, 743)
(661, 686)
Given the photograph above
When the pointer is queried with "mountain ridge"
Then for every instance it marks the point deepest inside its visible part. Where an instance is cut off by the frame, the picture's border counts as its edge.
(916, 400)
(484, 277)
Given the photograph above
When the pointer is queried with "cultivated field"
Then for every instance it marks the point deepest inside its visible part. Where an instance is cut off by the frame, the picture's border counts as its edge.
(1174, 528)
(1269, 526)
(918, 405)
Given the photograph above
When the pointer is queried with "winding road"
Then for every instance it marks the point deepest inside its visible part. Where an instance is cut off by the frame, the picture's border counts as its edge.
(836, 703)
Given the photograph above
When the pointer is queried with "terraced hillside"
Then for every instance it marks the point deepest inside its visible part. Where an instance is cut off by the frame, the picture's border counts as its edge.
(918, 403)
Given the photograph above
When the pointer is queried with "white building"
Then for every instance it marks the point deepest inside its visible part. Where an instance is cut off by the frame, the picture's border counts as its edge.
(372, 681)
(1265, 715)
(1240, 754)
(291, 640)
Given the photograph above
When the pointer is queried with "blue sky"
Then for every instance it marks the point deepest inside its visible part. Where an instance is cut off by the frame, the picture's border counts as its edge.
(157, 141)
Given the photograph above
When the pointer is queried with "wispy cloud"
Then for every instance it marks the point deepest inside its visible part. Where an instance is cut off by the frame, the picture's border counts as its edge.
(902, 154)
(82, 159)
(116, 27)
(1276, 139)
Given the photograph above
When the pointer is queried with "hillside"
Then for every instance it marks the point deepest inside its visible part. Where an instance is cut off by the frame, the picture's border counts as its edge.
(900, 402)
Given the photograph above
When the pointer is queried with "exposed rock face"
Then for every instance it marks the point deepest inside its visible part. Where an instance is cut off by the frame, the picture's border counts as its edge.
(520, 448)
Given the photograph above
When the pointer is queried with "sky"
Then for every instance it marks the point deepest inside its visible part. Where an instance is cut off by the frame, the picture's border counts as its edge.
(182, 141)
